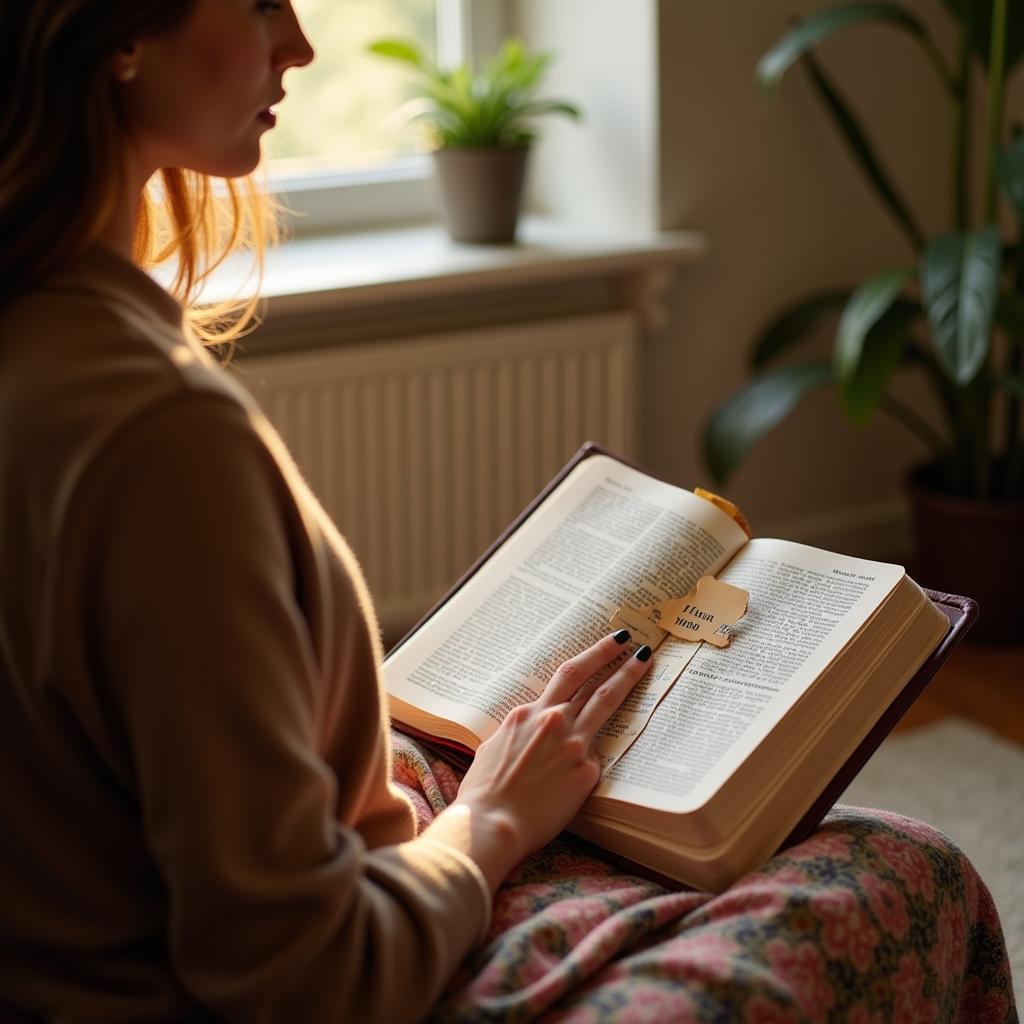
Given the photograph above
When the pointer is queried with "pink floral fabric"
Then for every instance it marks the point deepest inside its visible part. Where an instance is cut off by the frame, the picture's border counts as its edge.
(876, 919)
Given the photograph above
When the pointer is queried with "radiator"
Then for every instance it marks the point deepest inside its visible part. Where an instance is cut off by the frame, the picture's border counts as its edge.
(422, 450)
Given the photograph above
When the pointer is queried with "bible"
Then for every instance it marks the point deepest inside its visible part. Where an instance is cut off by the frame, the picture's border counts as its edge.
(721, 755)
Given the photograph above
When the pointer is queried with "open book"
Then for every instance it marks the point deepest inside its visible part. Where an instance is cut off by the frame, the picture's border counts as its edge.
(720, 755)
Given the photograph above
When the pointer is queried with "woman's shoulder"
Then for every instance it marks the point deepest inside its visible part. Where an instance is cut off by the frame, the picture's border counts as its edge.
(83, 360)
(101, 347)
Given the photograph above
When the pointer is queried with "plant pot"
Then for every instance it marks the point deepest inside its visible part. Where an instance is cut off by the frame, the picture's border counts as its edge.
(972, 547)
(481, 191)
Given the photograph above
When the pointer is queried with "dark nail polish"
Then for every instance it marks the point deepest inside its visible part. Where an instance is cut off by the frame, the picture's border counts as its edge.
(622, 637)
(644, 653)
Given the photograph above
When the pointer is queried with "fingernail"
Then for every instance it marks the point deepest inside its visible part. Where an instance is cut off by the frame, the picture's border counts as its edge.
(644, 653)
(622, 637)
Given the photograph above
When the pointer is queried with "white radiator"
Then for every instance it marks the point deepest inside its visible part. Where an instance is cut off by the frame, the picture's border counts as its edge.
(423, 449)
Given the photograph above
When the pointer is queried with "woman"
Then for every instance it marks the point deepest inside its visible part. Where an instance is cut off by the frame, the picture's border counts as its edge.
(194, 758)
(194, 769)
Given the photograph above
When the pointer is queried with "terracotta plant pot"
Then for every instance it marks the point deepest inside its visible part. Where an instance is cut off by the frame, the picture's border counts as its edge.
(481, 191)
(972, 547)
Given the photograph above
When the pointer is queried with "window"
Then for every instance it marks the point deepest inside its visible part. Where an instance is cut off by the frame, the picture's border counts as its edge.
(341, 154)
(340, 111)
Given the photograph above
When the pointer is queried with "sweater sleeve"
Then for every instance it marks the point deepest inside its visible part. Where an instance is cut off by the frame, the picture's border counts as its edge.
(204, 657)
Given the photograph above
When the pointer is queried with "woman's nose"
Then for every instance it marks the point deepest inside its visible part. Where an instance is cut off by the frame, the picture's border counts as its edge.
(295, 50)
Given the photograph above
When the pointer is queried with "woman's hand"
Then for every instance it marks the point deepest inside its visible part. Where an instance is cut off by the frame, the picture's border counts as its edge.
(531, 777)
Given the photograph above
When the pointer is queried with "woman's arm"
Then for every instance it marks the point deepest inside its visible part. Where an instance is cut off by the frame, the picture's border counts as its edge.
(531, 777)
(211, 632)
(207, 663)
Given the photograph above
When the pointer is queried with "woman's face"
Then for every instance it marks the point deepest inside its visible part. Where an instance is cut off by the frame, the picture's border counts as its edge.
(201, 94)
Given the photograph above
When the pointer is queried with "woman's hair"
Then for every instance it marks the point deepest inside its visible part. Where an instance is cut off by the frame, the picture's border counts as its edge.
(61, 134)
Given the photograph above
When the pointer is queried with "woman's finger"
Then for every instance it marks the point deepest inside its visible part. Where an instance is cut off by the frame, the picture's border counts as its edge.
(572, 674)
(608, 697)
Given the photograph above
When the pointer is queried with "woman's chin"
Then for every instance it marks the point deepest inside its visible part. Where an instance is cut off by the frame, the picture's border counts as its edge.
(244, 160)
(241, 167)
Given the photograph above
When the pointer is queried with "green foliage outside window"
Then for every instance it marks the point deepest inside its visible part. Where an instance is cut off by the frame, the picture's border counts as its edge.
(340, 111)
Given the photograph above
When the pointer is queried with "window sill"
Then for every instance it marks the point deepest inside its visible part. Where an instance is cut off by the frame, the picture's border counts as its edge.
(370, 268)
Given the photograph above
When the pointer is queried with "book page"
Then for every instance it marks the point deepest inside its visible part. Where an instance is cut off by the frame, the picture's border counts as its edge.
(805, 605)
(608, 535)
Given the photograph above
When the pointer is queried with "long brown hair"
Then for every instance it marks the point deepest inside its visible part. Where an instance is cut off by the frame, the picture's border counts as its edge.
(60, 172)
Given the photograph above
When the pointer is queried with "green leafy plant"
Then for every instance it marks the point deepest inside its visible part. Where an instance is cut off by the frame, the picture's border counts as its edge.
(955, 313)
(494, 108)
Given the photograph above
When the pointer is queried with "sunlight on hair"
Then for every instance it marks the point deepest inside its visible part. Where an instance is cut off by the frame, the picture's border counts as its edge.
(193, 223)
(182, 355)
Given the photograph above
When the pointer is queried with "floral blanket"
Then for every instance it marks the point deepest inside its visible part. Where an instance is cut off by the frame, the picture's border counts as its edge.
(876, 918)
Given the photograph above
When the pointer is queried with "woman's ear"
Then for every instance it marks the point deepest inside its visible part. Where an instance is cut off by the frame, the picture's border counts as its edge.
(125, 65)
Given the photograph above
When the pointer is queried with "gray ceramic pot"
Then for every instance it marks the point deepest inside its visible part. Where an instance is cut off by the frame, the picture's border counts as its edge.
(481, 191)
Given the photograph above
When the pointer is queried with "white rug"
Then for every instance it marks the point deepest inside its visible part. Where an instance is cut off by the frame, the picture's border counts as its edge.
(968, 783)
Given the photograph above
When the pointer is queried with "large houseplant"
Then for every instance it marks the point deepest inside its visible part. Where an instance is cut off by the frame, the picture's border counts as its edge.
(481, 127)
(954, 313)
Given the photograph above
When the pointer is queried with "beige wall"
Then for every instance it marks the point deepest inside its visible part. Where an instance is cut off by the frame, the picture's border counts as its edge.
(785, 212)
(602, 173)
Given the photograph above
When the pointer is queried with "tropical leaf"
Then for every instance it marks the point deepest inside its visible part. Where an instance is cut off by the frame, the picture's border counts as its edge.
(812, 30)
(515, 68)
(491, 109)
(979, 27)
(793, 325)
(1010, 171)
(862, 150)
(868, 304)
(400, 50)
(959, 283)
(882, 348)
(535, 108)
(748, 414)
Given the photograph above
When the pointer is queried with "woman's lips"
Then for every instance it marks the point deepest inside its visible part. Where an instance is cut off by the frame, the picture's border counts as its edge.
(268, 117)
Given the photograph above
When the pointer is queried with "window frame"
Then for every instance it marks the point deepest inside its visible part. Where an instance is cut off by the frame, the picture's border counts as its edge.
(335, 200)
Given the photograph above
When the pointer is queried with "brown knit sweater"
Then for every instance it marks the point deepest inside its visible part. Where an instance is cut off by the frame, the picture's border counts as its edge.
(194, 791)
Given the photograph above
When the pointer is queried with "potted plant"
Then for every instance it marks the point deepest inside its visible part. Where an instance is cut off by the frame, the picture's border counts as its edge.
(953, 313)
(481, 129)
